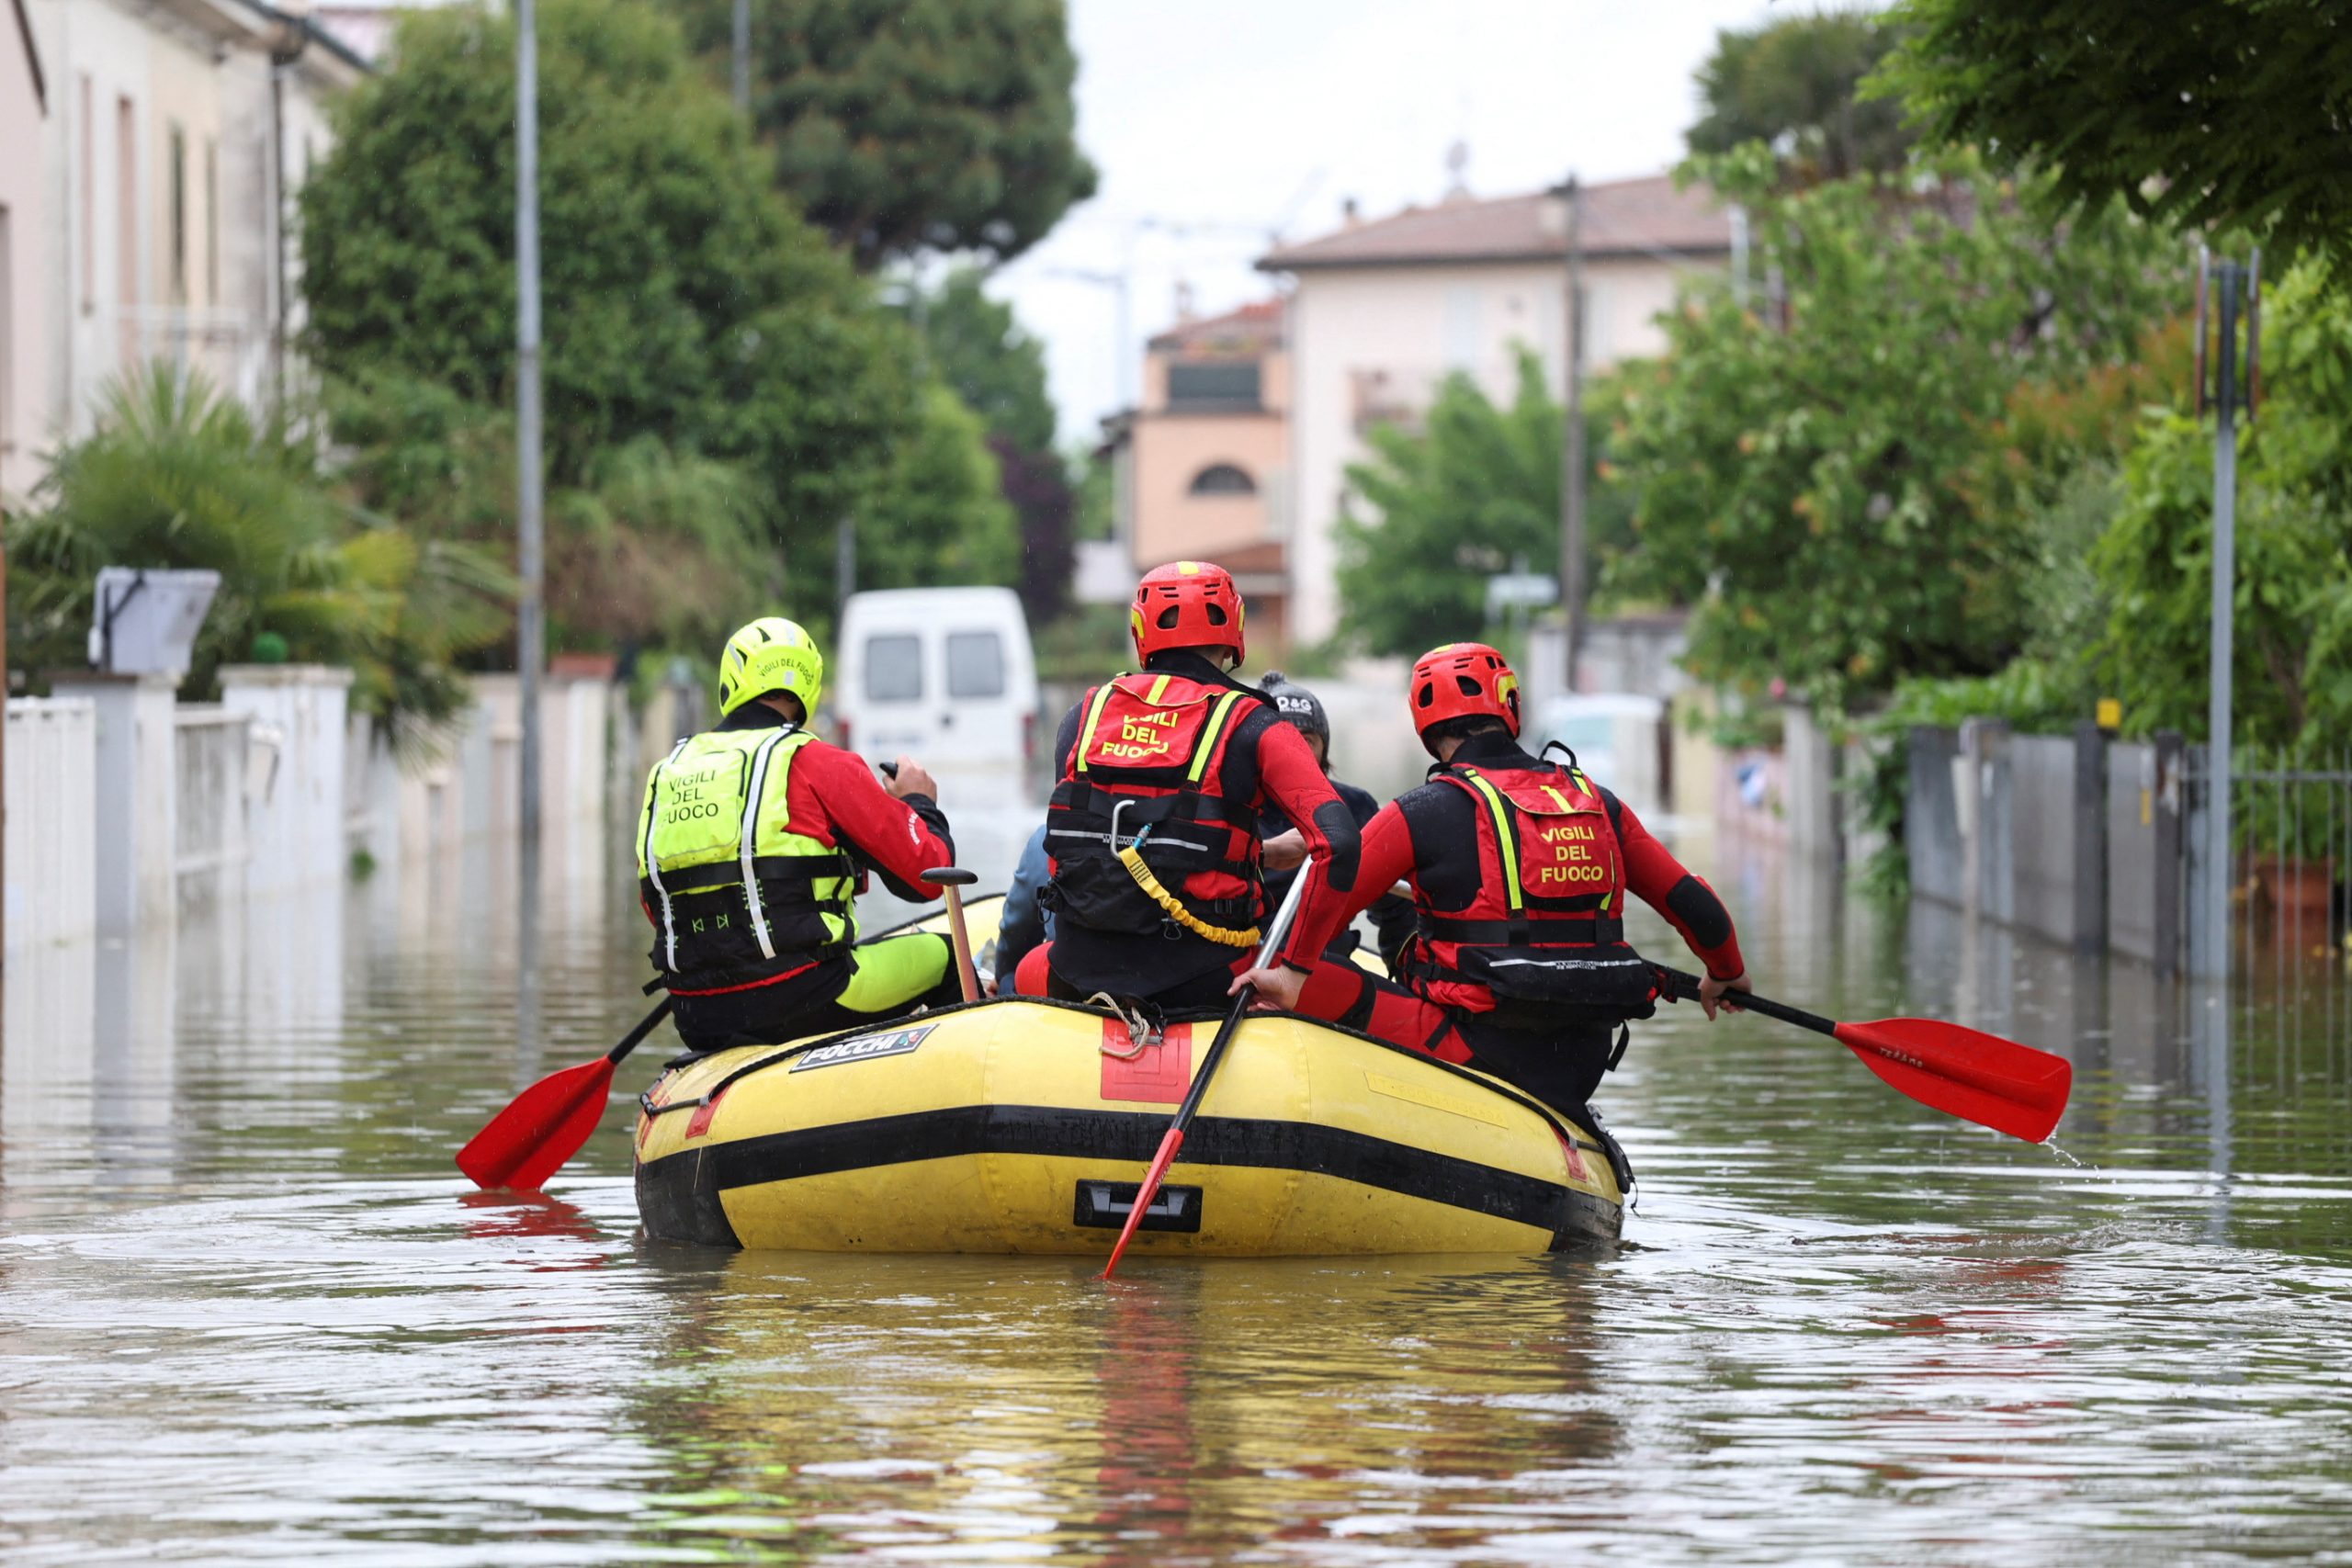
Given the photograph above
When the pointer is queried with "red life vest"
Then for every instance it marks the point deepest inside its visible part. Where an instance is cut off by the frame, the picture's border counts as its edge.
(1147, 774)
(1542, 944)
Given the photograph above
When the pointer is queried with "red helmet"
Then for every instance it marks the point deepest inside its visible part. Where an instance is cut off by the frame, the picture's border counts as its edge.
(1463, 680)
(1186, 604)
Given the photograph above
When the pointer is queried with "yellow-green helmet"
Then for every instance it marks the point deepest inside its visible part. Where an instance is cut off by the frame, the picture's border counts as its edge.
(772, 654)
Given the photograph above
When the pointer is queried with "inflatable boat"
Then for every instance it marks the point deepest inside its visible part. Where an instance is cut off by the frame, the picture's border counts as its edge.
(1024, 1125)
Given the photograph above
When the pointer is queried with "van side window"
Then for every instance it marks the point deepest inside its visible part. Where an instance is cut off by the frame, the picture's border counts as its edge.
(975, 664)
(893, 669)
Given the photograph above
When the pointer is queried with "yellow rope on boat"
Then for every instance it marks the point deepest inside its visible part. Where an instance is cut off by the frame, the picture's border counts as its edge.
(1132, 858)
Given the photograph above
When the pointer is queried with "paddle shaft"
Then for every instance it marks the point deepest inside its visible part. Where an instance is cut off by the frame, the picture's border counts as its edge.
(635, 1037)
(1270, 951)
(1685, 987)
(952, 881)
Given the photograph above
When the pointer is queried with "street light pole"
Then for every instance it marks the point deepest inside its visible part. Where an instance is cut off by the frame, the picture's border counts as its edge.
(2216, 913)
(530, 632)
(1572, 551)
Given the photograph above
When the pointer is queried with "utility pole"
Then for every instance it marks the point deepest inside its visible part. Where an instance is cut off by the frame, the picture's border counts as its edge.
(530, 631)
(2227, 278)
(743, 56)
(1572, 433)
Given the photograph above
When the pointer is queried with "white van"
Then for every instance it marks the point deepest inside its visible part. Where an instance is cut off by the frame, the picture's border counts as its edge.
(945, 675)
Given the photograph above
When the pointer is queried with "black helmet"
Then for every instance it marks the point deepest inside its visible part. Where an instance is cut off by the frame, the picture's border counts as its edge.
(1299, 705)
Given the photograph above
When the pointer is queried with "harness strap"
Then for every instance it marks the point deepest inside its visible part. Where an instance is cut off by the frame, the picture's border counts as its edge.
(1506, 842)
(726, 873)
(654, 866)
(1207, 747)
(752, 797)
(1597, 931)
(1093, 716)
(1173, 907)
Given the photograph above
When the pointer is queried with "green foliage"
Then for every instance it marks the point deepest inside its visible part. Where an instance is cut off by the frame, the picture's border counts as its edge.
(978, 348)
(1812, 481)
(179, 476)
(684, 302)
(2198, 113)
(2293, 673)
(1792, 84)
(940, 517)
(1473, 492)
(903, 125)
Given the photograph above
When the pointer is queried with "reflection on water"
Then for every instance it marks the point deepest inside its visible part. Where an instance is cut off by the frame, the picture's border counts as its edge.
(248, 1312)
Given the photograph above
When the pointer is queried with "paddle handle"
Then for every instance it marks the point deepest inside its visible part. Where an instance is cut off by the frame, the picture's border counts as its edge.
(1277, 933)
(635, 1037)
(952, 880)
(1685, 989)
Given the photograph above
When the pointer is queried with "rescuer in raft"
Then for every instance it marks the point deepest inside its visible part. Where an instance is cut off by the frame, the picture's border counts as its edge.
(753, 841)
(1517, 964)
(1392, 916)
(1152, 829)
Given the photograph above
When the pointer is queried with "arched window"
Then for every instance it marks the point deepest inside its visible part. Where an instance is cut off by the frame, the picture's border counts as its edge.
(1223, 479)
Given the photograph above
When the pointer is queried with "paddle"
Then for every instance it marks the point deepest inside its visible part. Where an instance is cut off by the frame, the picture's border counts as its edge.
(528, 1142)
(1269, 953)
(950, 879)
(1962, 1072)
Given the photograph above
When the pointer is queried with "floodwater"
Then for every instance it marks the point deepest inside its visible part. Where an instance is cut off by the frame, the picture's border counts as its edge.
(249, 1311)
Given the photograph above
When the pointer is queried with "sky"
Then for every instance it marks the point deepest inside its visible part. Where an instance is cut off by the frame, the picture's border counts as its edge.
(1218, 124)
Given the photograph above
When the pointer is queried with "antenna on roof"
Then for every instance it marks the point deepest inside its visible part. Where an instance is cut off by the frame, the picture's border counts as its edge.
(1457, 158)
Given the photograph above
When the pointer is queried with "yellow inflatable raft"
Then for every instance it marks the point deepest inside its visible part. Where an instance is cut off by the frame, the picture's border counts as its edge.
(1024, 1125)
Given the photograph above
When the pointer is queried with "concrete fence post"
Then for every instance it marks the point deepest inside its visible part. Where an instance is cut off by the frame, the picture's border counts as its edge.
(2090, 837)
(135, 788)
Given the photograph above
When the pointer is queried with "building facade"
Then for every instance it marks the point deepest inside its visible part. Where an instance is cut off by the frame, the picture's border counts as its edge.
(178, 134)
(1383, 311)
(1207, 459)
(23, 296)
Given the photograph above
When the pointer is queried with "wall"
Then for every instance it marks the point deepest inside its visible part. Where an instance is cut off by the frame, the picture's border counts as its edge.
(1931, 827)
(211, 773)
(24, 264)
(1170, 449)
(52, 820)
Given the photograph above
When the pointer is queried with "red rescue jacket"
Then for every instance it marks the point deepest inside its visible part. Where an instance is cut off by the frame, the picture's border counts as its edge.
(1541, 944)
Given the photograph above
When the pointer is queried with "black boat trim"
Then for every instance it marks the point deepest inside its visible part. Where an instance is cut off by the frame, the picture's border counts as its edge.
(679, 1193)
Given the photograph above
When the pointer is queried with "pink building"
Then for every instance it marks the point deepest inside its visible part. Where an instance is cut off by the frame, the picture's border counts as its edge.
(1205, 460)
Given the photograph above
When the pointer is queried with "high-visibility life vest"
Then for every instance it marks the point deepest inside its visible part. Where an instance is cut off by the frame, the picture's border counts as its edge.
(1541, 944)
(737, 895)
(1144, 838)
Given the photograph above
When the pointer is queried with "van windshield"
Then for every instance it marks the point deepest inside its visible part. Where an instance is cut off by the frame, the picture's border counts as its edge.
(893, 669)
(975, 664)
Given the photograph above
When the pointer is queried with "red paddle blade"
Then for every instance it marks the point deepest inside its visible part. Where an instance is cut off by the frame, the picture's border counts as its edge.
(1146, 1193)
(528, 1142)
(1967, 1073)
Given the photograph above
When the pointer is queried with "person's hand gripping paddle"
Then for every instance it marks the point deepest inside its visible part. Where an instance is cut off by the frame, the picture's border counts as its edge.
(1269, 952)
(1962, 1072)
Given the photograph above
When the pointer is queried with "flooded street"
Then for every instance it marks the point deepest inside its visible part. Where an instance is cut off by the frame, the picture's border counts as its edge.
(249, 1311)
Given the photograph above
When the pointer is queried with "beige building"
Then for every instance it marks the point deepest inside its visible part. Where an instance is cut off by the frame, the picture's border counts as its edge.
(1383, 311)
(179, 134)
(1204, 460)
(24, 298)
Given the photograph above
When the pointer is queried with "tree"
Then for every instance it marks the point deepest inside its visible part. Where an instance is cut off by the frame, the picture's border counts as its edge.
(2197, 113)
(1474, 491)
(178, 475)
(979, 349)
(903, 125)
(1811, 483)
(2292, 682)
(686, 303)
(1792, 84)
(999, 371)
(939, 516)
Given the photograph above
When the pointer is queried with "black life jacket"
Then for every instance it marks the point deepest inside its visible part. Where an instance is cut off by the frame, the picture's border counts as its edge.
(1144, 838)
